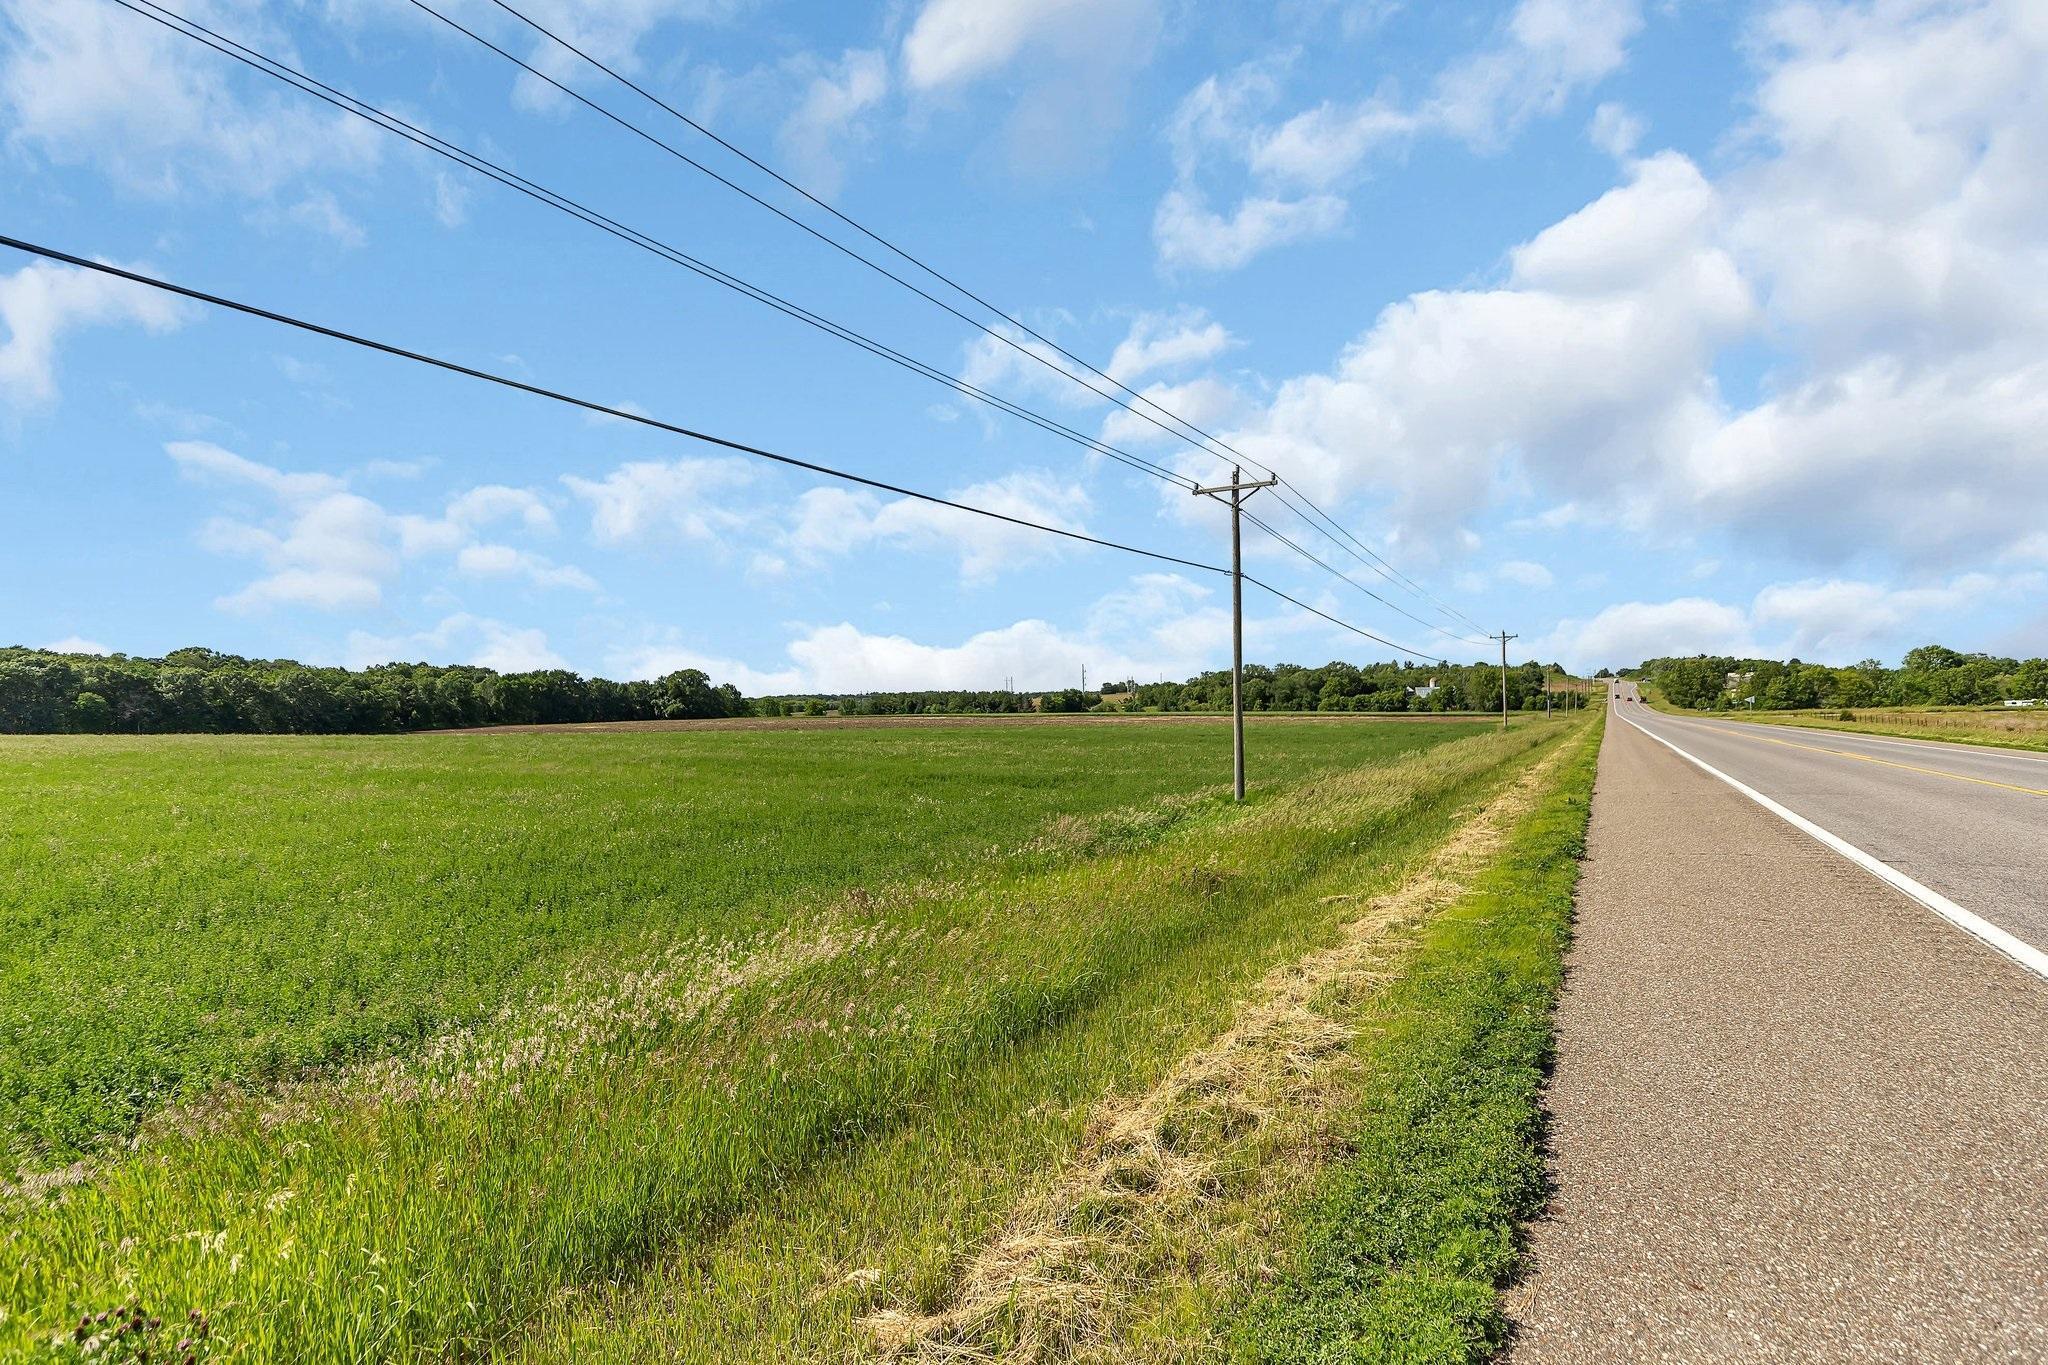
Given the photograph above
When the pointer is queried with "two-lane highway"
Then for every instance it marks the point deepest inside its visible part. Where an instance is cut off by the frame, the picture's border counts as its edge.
(1797, 1112)
(1965, 821)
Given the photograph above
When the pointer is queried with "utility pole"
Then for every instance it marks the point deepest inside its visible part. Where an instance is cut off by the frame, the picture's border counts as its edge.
(1546, 691)
(1238, 490)
(1504, 638)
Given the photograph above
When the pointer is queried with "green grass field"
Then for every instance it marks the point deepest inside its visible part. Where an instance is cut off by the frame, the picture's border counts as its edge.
(615, 1045)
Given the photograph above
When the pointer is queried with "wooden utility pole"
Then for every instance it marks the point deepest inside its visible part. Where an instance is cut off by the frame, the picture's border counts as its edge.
(1504, 638)
(1238, 490)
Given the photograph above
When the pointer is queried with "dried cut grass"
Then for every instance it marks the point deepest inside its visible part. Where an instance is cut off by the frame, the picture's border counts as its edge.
(1245, 1117)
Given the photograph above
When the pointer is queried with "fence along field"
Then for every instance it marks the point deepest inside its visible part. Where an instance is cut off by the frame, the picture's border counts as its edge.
(377, 1047)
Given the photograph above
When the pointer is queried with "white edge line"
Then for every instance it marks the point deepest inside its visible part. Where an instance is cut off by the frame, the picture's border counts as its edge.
(2028, 956)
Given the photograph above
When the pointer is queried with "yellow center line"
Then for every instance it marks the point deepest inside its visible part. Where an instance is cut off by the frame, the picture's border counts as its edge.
(1889, 763)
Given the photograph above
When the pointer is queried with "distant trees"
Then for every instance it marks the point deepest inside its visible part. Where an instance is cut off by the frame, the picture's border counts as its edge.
(90, 713)
(1336, 686)
(197, 690)
(939, 703)
(1931, 675)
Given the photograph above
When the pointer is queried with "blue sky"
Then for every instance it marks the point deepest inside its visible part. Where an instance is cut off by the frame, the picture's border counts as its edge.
(1631, 328)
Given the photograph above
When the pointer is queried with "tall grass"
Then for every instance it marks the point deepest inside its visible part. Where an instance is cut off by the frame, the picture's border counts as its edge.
(435, 1198)
(177, 913)
(893, 1223)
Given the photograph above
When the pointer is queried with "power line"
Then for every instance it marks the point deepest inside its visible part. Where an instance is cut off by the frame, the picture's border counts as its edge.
(1335, 621)
(642, 419)
(588, 405)
(1391, 606)
(472, 161)
(832, 242)
(352, 104)
(787, 217)
(1374, 561)
(1208, 442)
(481, 165)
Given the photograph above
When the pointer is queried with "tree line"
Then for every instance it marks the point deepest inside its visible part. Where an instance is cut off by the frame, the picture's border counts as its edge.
(200, 690)
(1931, 675)
(1333, 686)
(1339, 686)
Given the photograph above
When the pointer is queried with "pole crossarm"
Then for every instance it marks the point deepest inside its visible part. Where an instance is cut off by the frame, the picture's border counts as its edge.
(1243, 488)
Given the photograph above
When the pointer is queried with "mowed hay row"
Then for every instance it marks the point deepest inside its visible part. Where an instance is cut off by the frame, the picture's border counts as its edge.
(1175, 1185)
(434, 1199)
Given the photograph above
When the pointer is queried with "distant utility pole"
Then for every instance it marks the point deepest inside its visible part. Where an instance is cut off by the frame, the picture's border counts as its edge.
(1084, 677)
(1504, 638)
(1238, 490)
(1546, 691)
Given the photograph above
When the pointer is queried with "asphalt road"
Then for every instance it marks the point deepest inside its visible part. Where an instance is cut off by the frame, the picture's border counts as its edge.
(1967, 821)
(1796, 1113)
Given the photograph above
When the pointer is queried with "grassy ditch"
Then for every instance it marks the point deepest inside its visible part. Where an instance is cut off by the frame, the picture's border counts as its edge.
(533, 1164)
(887, 1250)
(1406, 1242)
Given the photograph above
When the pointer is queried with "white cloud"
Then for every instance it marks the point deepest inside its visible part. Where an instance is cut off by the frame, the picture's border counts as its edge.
(1156, 625)
(90, 83)
(1552, 50)
(698, 500)
(321, 212)
(829, 121)
(494, 502)
(1012, 362)
(654, 661)
(43, 300)
(1525, 574)
(451, 200)
(1296, 169)
(613, 32)
(1067, 65)
(1519, 573)
(76, 644)
(987, 547)
(325, 547)
(1593, 357)
(1841, 619)
(647, 499)
(1207, 402)
(1324, 146)
(1615, 131)
(1623, 635)
(1833, 620)
(1191, 235)
(462, 638)
(606, 419)
(955, 41)
(832, 521)
(486, 560)
(1168, 341)
(1881, 232)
